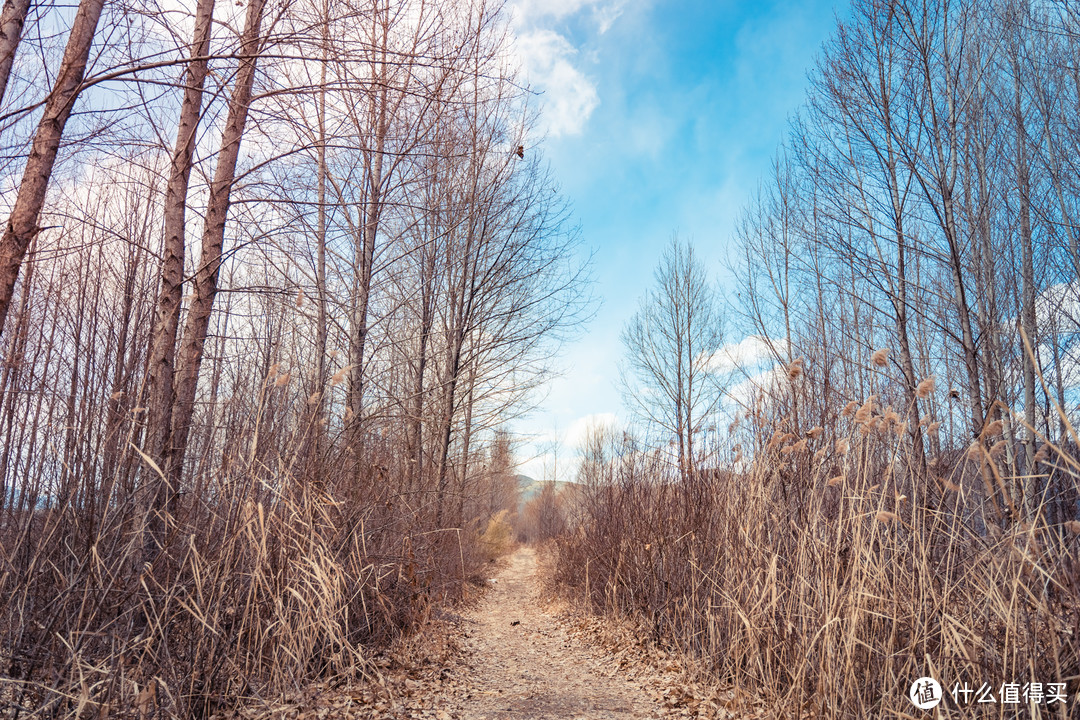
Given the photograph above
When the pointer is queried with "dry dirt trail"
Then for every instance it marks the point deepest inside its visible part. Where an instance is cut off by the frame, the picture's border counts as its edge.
(514, 656)
(525, 664)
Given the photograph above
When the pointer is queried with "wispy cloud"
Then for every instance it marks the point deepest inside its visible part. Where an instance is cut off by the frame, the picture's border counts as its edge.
(575, 436)
(557, 454)
(569, 97)
(602, 13)
(553, 62)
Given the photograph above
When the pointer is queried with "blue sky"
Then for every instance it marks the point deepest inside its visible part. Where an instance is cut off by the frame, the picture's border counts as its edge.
(661, 117)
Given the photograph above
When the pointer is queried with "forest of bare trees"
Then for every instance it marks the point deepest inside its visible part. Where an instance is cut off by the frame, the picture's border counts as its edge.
(274, 275)
(889, 487)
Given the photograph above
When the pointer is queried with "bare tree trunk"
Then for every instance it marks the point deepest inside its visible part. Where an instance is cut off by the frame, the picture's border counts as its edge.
(374, 179)
(907, 364)
(13, 370)
(986, 296)
(206, 277)
(365, 270)
(1027, 278)
(453, 365)
(161, 361)
(319, 389)
(22, 226)
(427, 317)
(118, 405)
(11, 25)
(466, 444)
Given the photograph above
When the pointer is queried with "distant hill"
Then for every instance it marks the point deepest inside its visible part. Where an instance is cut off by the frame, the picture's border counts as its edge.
(530, 487)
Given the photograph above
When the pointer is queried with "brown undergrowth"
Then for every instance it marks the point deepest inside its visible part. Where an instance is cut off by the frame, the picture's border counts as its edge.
(263, 588)
(681, 683)
(825, 583)
(411, 678)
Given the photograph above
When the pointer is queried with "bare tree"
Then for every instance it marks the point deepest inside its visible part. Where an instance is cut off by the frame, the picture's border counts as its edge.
(669, 344)
(213, 239)
(22, 225)
(11, 27)
(163, 338)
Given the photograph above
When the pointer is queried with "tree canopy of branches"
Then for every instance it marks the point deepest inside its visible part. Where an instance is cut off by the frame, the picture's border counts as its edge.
(925, 210)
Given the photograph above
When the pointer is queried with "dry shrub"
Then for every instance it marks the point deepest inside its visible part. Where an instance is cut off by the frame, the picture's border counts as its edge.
(543, 517)
(831, 596)
(498, 537)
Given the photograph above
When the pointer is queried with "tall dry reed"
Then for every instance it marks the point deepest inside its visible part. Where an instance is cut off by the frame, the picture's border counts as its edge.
(265, 584)
(826, 582)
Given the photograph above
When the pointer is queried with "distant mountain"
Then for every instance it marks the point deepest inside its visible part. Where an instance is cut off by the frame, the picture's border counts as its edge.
(530, 488)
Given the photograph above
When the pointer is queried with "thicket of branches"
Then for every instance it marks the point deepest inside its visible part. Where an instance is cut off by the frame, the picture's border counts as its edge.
(273, 275)
(897, 492)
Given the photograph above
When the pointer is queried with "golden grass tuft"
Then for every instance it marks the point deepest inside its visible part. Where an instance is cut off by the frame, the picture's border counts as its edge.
(864, 413)
(498, 536)
(884, 516)
(880, 358)
(925, 388)
(266, 585)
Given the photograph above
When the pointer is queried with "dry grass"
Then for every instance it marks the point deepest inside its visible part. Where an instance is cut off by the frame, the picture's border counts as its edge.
(827, 586)
(498, 537)
(264, 585)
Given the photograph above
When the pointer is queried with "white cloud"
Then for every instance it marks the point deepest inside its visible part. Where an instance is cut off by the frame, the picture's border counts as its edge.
(552, 63)
(1059, 304)
(569, 97)
(746, 354)
(607, 13)
(603, 12)
(575, 436)
(557, 453)
(742, 394)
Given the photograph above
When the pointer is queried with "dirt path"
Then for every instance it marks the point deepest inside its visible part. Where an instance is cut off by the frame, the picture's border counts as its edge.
(526, 665)
(513, 656)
